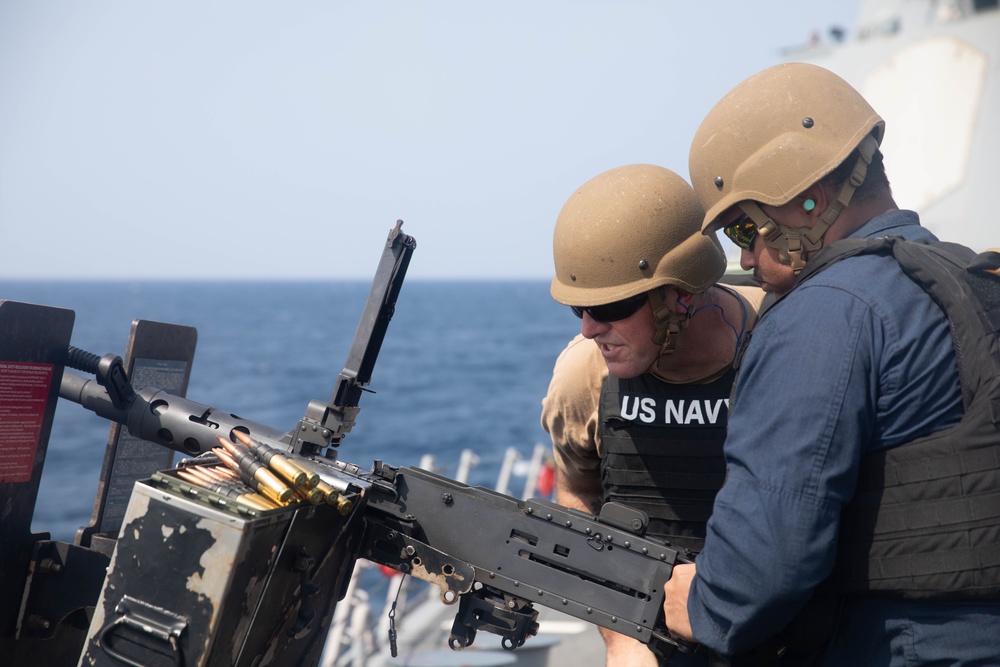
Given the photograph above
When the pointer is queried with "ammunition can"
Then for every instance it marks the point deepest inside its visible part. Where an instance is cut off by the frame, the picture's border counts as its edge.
(199, 580)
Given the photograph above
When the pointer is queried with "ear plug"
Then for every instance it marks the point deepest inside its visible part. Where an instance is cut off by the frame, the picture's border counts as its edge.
(809, 204)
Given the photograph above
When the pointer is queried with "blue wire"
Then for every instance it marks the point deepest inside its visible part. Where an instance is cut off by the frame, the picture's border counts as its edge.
(743, 325)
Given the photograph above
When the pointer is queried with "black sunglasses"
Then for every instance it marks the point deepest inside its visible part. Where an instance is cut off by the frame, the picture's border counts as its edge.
(742, 232)
(612, 312)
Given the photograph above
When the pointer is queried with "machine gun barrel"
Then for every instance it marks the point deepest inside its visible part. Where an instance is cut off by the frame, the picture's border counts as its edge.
(171, 421)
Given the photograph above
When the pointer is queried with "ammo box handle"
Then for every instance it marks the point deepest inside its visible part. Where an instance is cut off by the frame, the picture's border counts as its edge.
(142, 617)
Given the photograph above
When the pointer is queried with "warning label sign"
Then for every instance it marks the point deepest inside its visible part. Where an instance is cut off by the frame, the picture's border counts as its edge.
(24, 388)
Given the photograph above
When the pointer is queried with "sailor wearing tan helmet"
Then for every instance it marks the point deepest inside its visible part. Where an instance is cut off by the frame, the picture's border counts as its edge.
(631, 261)
(847, 486)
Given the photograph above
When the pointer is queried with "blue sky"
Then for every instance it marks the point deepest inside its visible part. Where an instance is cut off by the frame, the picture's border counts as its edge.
(282, 140)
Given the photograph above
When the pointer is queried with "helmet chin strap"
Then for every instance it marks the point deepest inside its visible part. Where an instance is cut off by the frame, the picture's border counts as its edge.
(667, 322)
(794, 244)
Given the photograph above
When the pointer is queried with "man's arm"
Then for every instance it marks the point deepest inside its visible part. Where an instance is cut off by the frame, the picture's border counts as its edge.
(773, 532)
(581, 493)
(570, 417)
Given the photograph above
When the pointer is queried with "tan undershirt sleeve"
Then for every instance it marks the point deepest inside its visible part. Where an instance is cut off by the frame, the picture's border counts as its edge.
(569, 410)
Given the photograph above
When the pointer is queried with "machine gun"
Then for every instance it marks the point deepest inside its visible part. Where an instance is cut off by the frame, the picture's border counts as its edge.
(198, 578)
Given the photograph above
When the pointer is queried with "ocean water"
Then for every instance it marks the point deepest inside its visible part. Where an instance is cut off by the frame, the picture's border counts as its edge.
(463, 365)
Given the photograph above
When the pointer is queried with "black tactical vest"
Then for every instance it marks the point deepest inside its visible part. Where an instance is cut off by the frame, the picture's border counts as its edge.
(663, 451)
(925, 520)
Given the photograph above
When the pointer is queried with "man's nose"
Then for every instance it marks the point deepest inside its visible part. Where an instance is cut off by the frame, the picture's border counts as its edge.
(747, 259)
(590, 328)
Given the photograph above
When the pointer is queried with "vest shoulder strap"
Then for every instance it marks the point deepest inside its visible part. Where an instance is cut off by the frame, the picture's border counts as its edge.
(966, 286)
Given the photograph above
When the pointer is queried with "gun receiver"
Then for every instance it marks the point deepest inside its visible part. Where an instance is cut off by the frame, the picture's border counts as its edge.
(521, 553)
(492, 554)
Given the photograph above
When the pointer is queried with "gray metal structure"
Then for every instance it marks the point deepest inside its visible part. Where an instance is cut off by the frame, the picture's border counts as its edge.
(931, 68)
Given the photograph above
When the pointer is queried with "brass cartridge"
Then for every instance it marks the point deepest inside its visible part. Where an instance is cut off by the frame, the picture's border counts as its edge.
(312, 496)
(332, 497)
(222, 477)
(282, 465)
(265, 481)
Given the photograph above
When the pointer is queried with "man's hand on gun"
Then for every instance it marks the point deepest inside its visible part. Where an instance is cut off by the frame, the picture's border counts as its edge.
(675, 597)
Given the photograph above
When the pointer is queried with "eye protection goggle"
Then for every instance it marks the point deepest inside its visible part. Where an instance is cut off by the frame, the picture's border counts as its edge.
(742, 232)
(612, 312)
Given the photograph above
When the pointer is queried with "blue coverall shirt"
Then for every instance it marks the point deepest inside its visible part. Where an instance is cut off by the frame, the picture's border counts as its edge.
(853, 360)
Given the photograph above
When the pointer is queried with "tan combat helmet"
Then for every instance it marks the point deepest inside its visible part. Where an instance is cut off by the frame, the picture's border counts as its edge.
(773, 136)
(628, 231)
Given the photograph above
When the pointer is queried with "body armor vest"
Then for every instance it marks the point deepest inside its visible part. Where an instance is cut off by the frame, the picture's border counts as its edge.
(663, 451)
(925, 520)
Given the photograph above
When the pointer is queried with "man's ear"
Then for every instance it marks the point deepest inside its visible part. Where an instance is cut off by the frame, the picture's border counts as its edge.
(684, 298)
(813, 201)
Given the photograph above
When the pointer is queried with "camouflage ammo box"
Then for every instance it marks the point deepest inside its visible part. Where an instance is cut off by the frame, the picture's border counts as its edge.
(198, 581)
